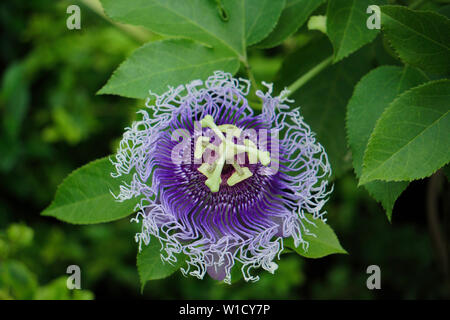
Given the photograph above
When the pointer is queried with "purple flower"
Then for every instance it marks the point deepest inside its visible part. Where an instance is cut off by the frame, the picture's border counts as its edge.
(219, 183)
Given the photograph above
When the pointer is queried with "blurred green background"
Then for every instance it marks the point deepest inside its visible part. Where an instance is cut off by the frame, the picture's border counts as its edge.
(52, 122)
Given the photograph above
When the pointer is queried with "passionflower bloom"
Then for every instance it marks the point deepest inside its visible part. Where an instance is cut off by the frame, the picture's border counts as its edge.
(220, 185)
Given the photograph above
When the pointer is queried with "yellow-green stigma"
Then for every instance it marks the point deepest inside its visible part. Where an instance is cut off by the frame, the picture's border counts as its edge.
(227, 151)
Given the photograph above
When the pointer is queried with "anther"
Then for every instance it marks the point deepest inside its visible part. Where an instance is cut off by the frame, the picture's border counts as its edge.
(227, 151)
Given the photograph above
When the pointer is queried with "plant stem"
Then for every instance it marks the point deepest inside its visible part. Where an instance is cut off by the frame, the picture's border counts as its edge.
(250, 75)
(325, 63)
(309, 75)
(255, 101)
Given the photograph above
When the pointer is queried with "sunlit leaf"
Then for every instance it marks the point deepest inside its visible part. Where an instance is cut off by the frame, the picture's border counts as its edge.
(248, 21)
(322, 243)
(151, 267)
(411, 139)
(84, 197)
(157, 65)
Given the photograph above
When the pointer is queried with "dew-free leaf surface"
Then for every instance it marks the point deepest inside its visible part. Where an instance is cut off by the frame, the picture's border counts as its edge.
(365, 108)
(294, 15)
(324, 98)
(151, 266)
(248, 21)
(84, 197)
(347, 25)
(420, 38)
(411, 140)
(323, 243)
(157, 65)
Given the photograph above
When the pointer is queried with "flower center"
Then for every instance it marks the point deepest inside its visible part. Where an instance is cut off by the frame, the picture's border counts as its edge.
(227, 151)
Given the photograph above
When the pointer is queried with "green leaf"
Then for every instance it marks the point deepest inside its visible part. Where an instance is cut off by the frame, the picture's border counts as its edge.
(323, 243)
(151, 267)
(20, 235)
(420, 38)
(57, 290)
(17, 280)
(294, 15)
(84, 197)
(260, 18)
(248, 20)
(236, 272)
(346, 25)
(411, 139)
(15, 96)
(194, 19)
(157, 65)
(371, 97)
(323, 99)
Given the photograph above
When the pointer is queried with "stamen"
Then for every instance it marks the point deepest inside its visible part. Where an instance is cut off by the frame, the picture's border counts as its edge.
(230, 130)
(201, 145)
(239, 175)
(208, 122)
(214, 180)
(238, 168)
(227, 151)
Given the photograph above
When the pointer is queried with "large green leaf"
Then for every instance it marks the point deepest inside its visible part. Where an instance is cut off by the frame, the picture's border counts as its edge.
(411, 139)
(260, 18)
(84, 197)
(420, 38)
(346, 25)
(294, 15)
(324, 98)
(156, 65)
(248, 20)
(371, 97)
(322, 243)
(151, 267)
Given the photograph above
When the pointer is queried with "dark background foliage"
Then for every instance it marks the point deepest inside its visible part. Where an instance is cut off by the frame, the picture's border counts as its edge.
(52, 122)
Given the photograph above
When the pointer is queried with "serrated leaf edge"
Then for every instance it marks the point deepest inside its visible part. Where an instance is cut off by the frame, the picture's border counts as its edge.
(364, 181)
